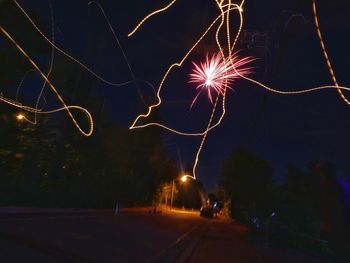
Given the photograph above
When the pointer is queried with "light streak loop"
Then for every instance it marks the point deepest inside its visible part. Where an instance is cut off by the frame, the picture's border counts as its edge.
(65, 107)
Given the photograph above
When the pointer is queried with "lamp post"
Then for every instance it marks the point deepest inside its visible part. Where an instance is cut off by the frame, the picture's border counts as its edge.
(183, 179)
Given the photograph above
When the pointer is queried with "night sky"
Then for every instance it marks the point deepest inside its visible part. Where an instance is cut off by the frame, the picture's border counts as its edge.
(280, 34)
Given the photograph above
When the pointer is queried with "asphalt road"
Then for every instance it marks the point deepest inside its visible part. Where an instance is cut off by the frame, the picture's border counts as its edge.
(134, 236)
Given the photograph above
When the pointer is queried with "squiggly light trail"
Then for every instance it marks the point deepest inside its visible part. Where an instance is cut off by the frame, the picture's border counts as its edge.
(225, 8)
(50, 68)
(35, 110)
(325, 53)
(62, 51)
(46, 78)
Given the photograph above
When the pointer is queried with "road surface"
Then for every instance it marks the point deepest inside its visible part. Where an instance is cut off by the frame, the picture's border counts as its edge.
(130, 236)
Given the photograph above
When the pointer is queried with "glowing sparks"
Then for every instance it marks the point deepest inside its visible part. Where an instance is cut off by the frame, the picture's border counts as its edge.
(216, 74)
(207, 81)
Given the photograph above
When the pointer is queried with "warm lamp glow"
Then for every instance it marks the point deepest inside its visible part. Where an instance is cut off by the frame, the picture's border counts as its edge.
(184, 178)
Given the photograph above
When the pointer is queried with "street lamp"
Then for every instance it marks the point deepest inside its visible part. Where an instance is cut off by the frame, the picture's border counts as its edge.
(20, 117)
(183, 179)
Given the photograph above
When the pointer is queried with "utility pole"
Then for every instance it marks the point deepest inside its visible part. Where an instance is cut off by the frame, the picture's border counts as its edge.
(172, 194)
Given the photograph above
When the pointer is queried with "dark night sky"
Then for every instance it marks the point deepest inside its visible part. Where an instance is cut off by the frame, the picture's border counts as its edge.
(280, 34)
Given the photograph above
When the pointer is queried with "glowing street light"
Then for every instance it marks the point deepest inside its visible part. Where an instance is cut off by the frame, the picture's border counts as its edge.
(183, 179)
(20, 117)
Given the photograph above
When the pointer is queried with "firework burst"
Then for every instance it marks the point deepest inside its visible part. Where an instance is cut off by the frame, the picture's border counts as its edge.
(216, 74)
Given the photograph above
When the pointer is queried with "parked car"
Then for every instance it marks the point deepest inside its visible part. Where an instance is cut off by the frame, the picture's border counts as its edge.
(207, 211)
(212, 207)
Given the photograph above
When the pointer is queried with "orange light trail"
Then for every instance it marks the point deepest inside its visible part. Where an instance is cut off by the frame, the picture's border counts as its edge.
(46, 77)
(159, 100)
(325, 53)
(35, 110)
(65, 53)
(149, 16)
(50, 67)
(225, 8)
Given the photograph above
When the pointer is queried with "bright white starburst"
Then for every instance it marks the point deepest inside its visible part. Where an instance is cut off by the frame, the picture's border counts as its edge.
(216, 74)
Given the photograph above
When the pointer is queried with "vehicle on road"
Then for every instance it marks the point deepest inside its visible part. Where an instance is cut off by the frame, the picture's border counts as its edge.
(212, 208)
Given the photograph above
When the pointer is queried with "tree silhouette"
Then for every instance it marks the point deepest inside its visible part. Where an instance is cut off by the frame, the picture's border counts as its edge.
(247, 180)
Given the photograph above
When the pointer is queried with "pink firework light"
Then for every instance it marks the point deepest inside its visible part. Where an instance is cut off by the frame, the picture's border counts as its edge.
(216, 74)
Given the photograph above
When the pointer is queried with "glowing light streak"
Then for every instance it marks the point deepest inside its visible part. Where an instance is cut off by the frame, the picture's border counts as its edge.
(325, 53)
(133, 78)
(150, 15)
(66, 53)
(55, 47)
(217, 98)
(51, 65)
(115, 38)
(225, 8)
(225, 13)
(204, 134)
(159, 100)
(35, 110)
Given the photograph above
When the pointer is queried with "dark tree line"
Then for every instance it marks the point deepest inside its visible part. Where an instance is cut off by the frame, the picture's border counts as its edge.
(247, 180)
(309, 208)
(50, 164)
(42, 168)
